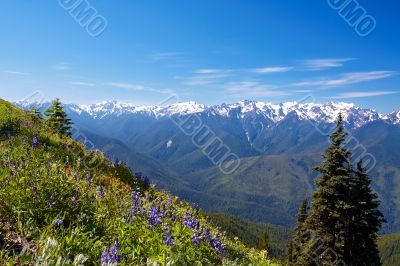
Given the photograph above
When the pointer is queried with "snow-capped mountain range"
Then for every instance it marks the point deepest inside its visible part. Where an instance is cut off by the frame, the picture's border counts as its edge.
(327, 112)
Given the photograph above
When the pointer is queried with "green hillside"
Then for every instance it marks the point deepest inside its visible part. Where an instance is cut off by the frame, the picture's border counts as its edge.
(61, 204)
(250, 233)
(389, 248)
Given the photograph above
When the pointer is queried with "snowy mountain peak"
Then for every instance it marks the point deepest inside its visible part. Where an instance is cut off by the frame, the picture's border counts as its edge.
(354, 115)
(393, 118)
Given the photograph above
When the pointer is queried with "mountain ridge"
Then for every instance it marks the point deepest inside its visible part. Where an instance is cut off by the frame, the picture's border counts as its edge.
(326, 112)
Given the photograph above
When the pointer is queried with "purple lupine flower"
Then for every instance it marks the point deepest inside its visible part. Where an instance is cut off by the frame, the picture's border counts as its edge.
(58, 222)
(89, 180)
(52, 201)
(207, 235)
(169, 201)
(168, 237)
(101, 192)
(153, 216)
(196, 238)
(131, 214)
(135, 198)
(190, 221)
(217, 245)
(35, 142)
(110, 255)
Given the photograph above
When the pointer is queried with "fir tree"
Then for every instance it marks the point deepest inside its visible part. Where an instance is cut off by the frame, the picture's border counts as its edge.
(363, 222)
(57, 119)
(263, 243)
(300, 235)
(344, 219)
(36, 114)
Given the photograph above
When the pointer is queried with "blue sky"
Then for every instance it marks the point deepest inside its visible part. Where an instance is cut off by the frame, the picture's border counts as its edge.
(208, 51)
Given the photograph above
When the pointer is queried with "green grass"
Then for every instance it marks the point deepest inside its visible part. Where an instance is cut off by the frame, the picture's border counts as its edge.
(60, 203)
(389, 248)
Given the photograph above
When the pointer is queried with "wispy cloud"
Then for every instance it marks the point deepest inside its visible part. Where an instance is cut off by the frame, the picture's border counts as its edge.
(324, 63)
(81, 83)
(212, 71)
(127, 86)
(206, 76)
(16, 72)
(166, 56)
(62, 66)
(347, 79)
(269, 70)
(253, 89)
(361, 94)
(140, 87)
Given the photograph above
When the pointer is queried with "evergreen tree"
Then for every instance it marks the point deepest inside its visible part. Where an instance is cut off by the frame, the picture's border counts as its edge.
(57, 119)
(36, 114)
(300, 235)
(263, 243)
(289, 253)
(344, 219)
(363, 222)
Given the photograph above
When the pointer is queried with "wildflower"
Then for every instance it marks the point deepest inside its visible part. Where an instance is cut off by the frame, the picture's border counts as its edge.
(153, 216)
(217, 245)
(207, 235)
(58, 222)
(110, 255)
(135, 198)
(52, 202)
(190, 221)
(168, 238)
(196, 238)
(169, 201)
(101, 192)
(73, 200)
(89, 180)
(35, 142)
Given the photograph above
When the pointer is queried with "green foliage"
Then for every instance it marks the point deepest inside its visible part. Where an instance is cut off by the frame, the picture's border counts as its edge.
(57, 119)
(62, 204)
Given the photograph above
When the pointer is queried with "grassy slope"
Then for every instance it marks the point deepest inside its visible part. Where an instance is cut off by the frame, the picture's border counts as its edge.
(389, 247)
(60, 202)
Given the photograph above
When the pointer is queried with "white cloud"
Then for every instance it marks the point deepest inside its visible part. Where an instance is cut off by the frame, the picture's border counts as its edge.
(62, 66)
(253, 89)
(81, 83)
(360, 94)
(206, 76)
(347, 79)
(324, 63)
(166, 56)
(269, 70)
(211, 71)
(16, 72)
(169, 143)
(127, 86)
